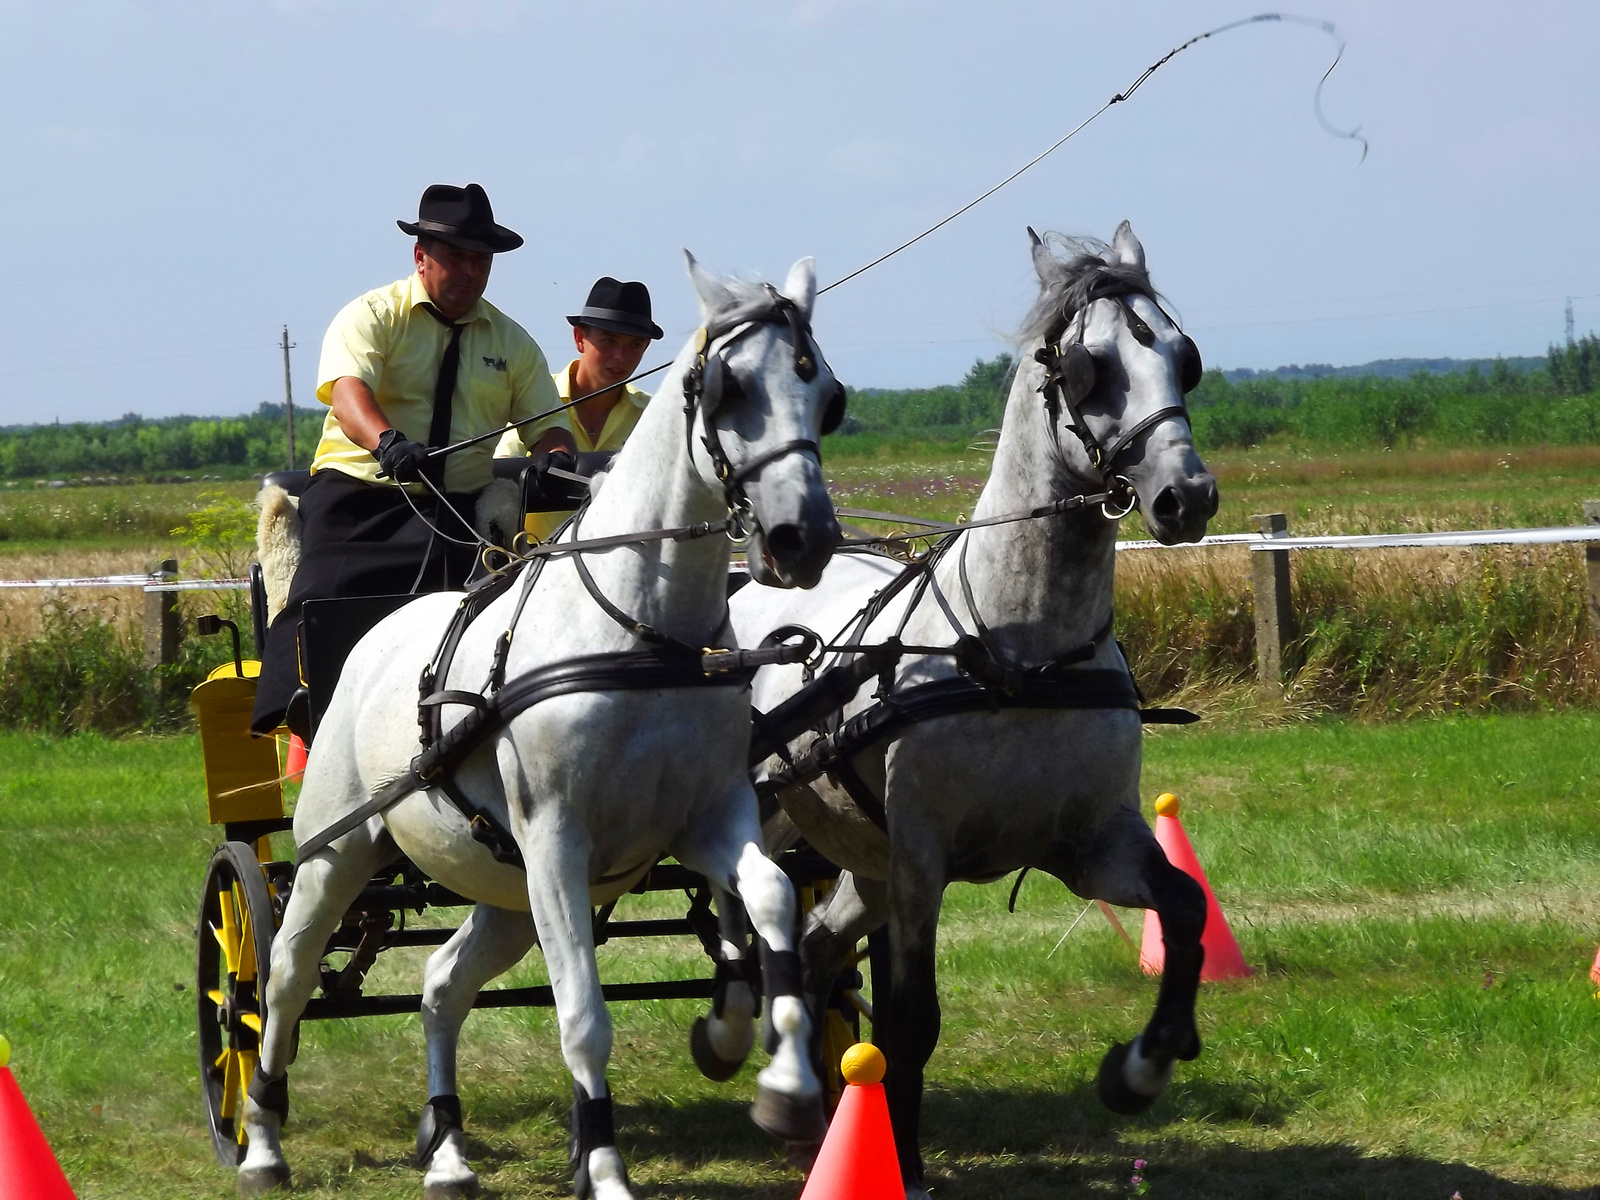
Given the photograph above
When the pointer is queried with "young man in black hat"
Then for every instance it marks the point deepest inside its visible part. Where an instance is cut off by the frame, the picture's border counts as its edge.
(420, 363)
(611, 335)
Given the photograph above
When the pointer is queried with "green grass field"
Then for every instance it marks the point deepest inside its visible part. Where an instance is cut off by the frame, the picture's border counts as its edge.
(1420, 898)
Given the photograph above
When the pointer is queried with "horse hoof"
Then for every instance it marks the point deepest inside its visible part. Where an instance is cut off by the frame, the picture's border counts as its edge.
(450, 1191)
(1115, 1091)
(259, 1181)
(788, 1118)
(706, 1059)
(802, 1156)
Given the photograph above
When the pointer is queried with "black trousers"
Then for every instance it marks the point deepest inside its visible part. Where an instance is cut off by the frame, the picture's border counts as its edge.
(358, 539)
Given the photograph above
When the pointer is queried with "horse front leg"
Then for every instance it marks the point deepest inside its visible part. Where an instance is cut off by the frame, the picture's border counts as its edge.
(726, 848)
(906, 1022)
(490, 942)
(325, 886)
(558, 895)
(720, 1041)
(1126, 866)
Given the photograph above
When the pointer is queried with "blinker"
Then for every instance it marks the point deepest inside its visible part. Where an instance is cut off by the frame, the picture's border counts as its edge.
(833, 414)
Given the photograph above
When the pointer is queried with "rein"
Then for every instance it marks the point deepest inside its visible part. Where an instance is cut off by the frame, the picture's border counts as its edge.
(667, 663)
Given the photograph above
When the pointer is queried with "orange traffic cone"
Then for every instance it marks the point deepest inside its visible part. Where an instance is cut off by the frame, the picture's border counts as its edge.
(1223, 960)
(28, 1170)
(295, 767)
(857, 1160)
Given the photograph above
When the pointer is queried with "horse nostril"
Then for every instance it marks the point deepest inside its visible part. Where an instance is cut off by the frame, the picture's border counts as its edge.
(786, 542)
(1212, 500)
(1167, 508)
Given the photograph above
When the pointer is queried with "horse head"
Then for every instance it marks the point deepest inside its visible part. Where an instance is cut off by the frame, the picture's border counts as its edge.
(1116, 370)
(759, 396)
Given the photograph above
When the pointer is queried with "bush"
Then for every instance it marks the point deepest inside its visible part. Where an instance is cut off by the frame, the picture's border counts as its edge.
(1488, 630)
(79, 673)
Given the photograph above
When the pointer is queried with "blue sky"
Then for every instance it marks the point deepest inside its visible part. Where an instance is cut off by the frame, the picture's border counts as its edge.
(182, 179)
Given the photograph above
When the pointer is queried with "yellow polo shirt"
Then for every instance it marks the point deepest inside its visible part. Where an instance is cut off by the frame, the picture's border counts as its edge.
(624, 415)
(384, 339)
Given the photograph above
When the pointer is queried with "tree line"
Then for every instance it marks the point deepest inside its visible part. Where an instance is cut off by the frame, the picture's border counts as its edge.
(138, 447)
(1558, 404)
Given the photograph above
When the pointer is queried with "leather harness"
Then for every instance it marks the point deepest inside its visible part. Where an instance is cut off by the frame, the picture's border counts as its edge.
(667, 662)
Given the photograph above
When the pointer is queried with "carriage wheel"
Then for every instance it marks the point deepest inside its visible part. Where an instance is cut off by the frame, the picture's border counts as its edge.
(232, 953)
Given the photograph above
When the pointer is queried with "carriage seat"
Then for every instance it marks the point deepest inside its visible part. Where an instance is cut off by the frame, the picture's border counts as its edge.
(293, 482)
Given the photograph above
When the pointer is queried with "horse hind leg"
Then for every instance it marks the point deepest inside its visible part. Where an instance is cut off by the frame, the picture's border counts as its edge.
(1133, 1074)
(721, 1040)
(490, 942)
(325, 887)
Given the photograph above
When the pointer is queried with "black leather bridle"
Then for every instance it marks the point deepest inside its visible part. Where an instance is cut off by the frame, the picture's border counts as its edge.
(1071, 374)
(710, 382)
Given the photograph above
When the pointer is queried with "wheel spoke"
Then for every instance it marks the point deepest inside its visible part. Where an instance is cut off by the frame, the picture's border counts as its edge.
(251, 1020)
(215, 996)
(247, 1070)
(247, 949)
(229, 937)
(230, 1083)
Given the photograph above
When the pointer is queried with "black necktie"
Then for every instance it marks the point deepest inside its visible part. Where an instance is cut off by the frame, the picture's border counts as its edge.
(444, 389)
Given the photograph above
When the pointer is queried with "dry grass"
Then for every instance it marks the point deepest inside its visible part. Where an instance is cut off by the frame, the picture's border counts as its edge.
(1380, 634)
(21, 608)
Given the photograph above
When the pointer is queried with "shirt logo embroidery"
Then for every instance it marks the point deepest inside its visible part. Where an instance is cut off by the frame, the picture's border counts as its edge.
(498, 364)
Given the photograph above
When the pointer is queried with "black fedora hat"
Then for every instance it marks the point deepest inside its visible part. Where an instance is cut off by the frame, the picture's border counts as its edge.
(619, 307)
(462, 217)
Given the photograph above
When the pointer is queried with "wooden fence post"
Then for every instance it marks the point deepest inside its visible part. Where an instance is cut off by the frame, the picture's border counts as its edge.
(1591, 556)
(163, 629)
(1269, 573)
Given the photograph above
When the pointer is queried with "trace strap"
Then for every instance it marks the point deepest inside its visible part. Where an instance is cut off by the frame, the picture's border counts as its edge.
(633, 670)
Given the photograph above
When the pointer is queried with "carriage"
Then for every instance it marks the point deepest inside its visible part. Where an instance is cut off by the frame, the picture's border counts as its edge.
(246, 887)
(1095, 421)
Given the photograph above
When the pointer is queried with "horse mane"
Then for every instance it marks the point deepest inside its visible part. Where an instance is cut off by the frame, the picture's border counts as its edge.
(1070, 281)
(742, 294)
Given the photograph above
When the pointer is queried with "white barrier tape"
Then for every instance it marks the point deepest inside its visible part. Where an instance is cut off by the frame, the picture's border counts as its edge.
(88, 581)
(199, 585)
(1218, 539)
(1256, 542)
(1396, 541)
(150, 583)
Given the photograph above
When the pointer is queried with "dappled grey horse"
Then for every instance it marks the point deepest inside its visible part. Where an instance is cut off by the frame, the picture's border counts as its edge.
(1045, 774)
(587, 787)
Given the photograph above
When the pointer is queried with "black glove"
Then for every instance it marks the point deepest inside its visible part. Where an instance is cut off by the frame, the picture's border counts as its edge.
(554, 489)
(399, 457)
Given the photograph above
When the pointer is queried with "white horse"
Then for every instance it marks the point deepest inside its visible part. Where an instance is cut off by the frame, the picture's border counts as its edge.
(593, 786)
(974, 796)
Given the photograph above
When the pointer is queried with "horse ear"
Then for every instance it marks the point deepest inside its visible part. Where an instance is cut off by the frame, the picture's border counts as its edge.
(801, 286)
(1125, 248)
(1043, 260)
(713, 295)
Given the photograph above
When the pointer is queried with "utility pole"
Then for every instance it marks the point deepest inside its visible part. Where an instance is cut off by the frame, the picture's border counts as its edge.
(288, 392)
(1569, 320)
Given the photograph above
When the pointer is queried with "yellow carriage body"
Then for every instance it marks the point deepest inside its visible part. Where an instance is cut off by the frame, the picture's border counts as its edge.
(242, 772)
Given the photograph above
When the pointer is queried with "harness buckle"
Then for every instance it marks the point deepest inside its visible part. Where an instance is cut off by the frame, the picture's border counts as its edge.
(741, 521)
(1121, 492)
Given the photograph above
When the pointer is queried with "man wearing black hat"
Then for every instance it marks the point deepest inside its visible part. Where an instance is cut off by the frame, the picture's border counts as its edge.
(610, 335)
(421, 363)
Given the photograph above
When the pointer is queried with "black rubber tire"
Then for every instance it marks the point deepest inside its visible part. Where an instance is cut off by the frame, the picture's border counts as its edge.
(236, 907)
